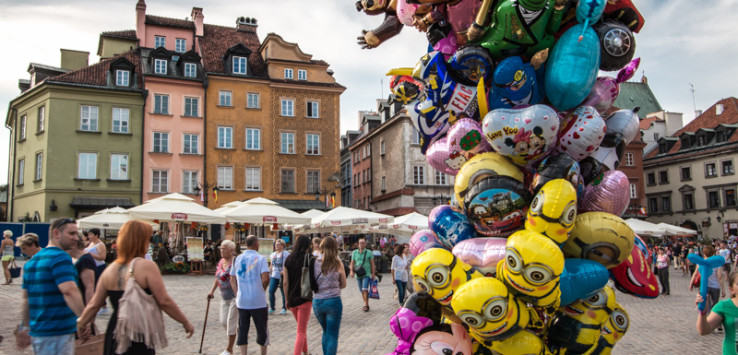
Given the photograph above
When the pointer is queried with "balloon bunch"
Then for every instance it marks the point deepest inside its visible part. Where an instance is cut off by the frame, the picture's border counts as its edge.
(508, 101)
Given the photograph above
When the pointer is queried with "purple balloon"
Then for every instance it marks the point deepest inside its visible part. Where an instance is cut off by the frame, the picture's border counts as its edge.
(450, 225)
(609, 193)
(606, 89)
(422, 241)
(482, 253)
(463, 141)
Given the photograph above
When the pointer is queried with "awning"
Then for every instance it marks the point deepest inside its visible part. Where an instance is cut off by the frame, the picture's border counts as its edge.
(301, 205)
(98, 203)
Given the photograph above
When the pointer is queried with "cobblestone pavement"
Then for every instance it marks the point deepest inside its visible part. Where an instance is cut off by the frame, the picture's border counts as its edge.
(665, 325)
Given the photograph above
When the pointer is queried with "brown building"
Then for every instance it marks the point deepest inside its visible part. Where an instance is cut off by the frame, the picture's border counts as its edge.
(361, 162)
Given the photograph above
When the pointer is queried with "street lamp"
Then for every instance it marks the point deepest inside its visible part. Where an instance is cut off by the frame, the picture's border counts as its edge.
(324, 192)
(204, 187)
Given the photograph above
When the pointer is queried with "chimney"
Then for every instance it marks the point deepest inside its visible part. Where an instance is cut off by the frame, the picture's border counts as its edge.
(644, 80)
(246, 24)
(73, 60)
(198, 18)
(719, 108)
(141, 22)
(697, 113)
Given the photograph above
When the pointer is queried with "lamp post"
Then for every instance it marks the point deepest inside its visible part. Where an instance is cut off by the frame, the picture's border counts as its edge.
(204, 187)
(324, 192)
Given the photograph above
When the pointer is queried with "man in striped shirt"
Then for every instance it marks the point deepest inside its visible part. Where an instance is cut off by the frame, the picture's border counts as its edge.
(51, 298)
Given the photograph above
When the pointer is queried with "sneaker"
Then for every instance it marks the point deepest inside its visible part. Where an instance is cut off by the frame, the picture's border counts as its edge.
(103, 311)
(720, 329)
(225, 352)
(271, 311)
(283, 311)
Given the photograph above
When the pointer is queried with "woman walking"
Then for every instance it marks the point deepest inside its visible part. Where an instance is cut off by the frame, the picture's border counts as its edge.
(399, 272)
(299, 306)
(228, 310)
(662, 264)
(724, 314)
(330, 278)
(98, 251)
(275, 275)
(133, 240)
(8, 256)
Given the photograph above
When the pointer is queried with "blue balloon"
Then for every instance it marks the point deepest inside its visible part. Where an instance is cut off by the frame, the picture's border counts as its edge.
(706, 266)
(572, 68)
(450, 225)
(580, 279)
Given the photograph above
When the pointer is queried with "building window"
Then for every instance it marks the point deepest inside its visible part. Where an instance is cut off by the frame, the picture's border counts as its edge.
(633, 191)
(441, 178)
(252, 100)
(180, 45)
(191, 144)
(418, 175)
(666, 203)
(161, 142)
(653, 205)
(415, 136)
(161, 104)
(160, 41)
(720, 137)
(381, 147)
(253, 138)
(22, 133)
(87, 167)
(368, 150)
(313, 144)
(701, 140)
(287, 143)
(302, 74)
(288, 180)
(190, 70)
(122, 77)
(663, 177)
(189, 182)
(224, 98)
(313, 181)
(225, 137)
(120, 119)
(730, 198)
(39, 165)
(253, 179)
(710, 170)
(160, 181)
(239, 65)
(191, 109)
(384, 183)
(713, 199)
(288, 73)
(88, 118)
(118, 167)
(225, 178)
(686, 173)
(629, 159)
(160, 66)
(688, 200)
(651, 179)
(313, 109)
(41, 119)
(21, 168)
(728, 167)
(288, 108)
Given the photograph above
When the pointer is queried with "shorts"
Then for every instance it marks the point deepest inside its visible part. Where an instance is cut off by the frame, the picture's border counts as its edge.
(8, 257)
(56, 344)
(363, 283)
(260, 316)
(229, 315)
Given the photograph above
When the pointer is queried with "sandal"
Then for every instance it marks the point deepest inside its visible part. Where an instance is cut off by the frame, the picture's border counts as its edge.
(365, 308)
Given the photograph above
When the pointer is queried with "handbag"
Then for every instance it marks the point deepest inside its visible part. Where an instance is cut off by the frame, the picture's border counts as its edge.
(139, 318)
(374, 288)
(306, 292)
(361, 272)
(93, 346)
(697, 279)
(15, 270)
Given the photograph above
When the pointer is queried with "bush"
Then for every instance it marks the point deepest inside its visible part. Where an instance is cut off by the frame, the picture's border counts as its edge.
(176, 268)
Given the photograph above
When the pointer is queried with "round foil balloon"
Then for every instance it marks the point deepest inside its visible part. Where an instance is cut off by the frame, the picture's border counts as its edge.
(524, 135)
(450, 225)
(582, 134)
(424, 240)
(482, 166)
(558, 166)
(600, 236)
(622, 126)
(609, 192)
(481, 253)
(462, 142)
(496, 206)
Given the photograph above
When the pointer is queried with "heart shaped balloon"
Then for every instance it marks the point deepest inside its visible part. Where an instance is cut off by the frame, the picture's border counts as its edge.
(582, 134)
(609, 192)
(634, 276)
(462, 142)
(606, 88)
(422, 241)
(525, 135)
(581, 278)
(482, 253)
(450, 225)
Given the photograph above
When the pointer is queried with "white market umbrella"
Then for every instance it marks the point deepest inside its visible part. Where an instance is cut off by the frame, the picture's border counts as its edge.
(176, 207)
(641, 227)
(345, 220)
(670, 229)
(109, 218)
(228, 206)
(262, 211)
(405, 225)
(312, 213)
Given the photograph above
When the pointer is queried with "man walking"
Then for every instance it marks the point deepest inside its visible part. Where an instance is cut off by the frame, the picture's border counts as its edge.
(251, 278)
(362, 262)
(51, 300)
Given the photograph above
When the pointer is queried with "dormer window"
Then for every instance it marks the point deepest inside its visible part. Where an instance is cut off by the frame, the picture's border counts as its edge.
(239, 65)
(663, 148)
(160, 66)
(236, 59)
(685, 143)
(160, 41)
(288, 73)
(190, 70)
(180, 45)
(122, 77)
(720, 137)
(701, 140)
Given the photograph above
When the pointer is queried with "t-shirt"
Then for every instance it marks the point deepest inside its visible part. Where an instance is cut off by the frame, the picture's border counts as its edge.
(662, 261)
(278, 263)
(329, 284)
(399, 264)
(86, 261)
(223, 276)
(363, 260)
(247, 269)
(725, 253)
(729, 312)
(49, 313)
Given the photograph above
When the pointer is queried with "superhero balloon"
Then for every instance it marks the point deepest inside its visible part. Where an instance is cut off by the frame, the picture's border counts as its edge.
(524, 135)
(515, 83)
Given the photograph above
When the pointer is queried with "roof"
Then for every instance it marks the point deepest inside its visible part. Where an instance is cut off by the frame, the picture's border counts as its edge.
(37, 66)
(301, 205)
(218, 39)
(637, 94)
(96, 74)
(169, 22)
(124, 34)
(647, 122)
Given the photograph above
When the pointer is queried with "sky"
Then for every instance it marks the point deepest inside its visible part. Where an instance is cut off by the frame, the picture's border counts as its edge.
(682, 43)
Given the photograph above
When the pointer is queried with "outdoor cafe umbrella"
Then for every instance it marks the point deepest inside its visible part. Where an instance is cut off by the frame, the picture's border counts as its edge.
(109, 218)
(644, 228)
(670, 229)
(178, 208)
(345, 219)
(263, 211)
(405, 225)
(228, 206)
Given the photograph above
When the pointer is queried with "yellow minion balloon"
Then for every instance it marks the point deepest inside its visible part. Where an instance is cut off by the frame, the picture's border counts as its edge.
(489, 309)
(613, 330)
(553, 210)
(577, 327)
(439, 273)
(482, 166)
(600, 236)
(523, 342)
(532, 266)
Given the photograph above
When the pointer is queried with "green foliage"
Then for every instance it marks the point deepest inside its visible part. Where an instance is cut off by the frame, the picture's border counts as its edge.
(176, 268)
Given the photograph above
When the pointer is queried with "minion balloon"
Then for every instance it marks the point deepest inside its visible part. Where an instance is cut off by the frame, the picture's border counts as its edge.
(600, 236)
(532, 266)
(577, 327)
(613, 330)
(553, 210)
(439, 273)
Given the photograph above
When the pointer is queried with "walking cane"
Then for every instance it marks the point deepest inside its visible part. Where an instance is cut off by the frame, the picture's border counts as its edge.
(207, 309)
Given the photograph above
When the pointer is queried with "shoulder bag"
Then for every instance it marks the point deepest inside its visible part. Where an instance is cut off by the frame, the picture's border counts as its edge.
(306, 292)
(15, 270)
(360, 271)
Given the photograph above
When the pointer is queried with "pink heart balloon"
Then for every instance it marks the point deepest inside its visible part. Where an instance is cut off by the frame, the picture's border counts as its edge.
(525, 135)
(582, 134)
(482, 253)
(609, 193)
(463, 141)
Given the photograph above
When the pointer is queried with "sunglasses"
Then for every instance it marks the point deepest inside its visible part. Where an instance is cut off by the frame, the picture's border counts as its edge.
(62, 221)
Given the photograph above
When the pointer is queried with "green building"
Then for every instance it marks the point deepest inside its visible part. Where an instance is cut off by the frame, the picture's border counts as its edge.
(76, 138)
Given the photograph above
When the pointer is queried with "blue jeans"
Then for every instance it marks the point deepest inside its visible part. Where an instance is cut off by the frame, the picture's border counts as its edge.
(401, 288)
(56, 344)
(363, 283)
(328, 312)
(273, 284)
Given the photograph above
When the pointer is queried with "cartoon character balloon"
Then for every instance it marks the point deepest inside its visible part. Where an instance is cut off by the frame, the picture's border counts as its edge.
(439, 273)
(634, 275)
(524, 135)
(578, 327)
(558, 166)
(553, 210)
(496, 205)
(450, 225)
(482, 166)
(462, 142)
(613, 329)
(600, 236)
(515, 83)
